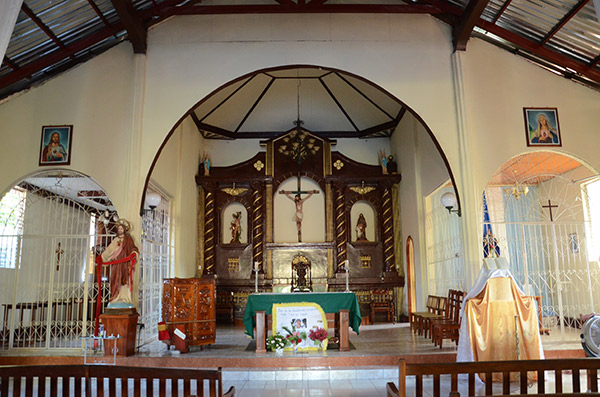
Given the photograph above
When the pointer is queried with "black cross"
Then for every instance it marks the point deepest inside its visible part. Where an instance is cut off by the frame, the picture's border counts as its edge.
(550, 206)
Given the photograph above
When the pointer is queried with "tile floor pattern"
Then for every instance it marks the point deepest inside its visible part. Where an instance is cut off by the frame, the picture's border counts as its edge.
(373, 340)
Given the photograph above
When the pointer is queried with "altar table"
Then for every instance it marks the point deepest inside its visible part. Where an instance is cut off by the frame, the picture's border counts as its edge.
(344, 304)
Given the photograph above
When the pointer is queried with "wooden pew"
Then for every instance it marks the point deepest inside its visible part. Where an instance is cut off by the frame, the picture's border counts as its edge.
(340, 322)
(94, 376)
(501, 369)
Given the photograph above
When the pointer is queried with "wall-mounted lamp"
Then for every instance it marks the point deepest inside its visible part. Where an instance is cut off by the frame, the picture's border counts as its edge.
(449, 201)
(152, 201)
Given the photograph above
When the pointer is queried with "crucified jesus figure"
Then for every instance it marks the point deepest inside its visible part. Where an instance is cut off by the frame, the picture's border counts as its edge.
(298, 200)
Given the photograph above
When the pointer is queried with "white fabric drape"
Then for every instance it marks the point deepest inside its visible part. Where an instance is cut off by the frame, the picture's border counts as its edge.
(9, 11)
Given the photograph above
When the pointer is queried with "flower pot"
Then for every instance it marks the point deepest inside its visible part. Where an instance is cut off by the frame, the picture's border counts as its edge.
(279, 351)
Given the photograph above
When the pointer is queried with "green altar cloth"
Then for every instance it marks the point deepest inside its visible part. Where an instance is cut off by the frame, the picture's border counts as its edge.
(330, 302)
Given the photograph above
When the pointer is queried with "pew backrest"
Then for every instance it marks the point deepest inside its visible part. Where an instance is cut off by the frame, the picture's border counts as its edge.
(69, 379)
(501, 371)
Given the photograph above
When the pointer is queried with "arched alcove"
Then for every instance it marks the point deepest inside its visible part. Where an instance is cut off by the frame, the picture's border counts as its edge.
(52, 224)
(539, 212)
(285, 212)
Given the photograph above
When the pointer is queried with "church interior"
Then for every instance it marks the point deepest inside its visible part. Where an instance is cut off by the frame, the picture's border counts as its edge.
(376, 159)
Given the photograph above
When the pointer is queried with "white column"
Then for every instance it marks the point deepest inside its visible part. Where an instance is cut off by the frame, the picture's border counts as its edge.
(469, 197)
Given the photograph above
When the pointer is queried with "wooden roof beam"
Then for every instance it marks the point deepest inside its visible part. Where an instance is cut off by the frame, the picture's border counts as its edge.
(33, 16)
(501, 11)
(136, 31)
(299, 8)
(27, 70)
(462, 31)
(564, 20)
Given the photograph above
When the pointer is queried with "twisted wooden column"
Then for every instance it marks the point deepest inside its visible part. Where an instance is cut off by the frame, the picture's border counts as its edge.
(388, 231)
(209, 233)
(341, 238)
(257, 228)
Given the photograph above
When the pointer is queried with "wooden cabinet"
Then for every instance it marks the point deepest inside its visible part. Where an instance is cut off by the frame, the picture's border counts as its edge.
(190, 302)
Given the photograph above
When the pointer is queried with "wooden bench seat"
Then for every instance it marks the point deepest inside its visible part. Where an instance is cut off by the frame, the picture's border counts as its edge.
(520, 369)
(93, 378)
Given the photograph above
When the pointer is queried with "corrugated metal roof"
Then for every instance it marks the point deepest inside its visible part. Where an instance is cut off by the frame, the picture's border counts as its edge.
(74, 30)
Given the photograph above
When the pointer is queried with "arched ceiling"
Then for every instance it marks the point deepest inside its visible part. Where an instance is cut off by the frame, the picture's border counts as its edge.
(332, 104)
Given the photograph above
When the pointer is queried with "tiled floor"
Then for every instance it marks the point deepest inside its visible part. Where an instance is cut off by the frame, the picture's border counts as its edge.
(363, 371)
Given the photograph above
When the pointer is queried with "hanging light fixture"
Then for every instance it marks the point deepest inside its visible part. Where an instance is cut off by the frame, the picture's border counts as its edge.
(517, 190)
(298, 144)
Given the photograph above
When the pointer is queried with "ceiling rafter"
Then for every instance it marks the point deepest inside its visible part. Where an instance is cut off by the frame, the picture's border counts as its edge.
(541, 51)
(364, 95)
(338, 104)
(564, 21)
(227, 98)
(136, 30)
(56, 56)
(501, 11)
(587, 70)
(98, 12)
(377, 128)
(307, 8)
(11, 63)
(29, 12)
(461, 32)
(260, 97)
(216, 130)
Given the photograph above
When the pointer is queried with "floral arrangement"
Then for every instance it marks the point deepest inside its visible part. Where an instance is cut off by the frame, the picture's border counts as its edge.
(318, 334)
(276, 341)
(294, 337)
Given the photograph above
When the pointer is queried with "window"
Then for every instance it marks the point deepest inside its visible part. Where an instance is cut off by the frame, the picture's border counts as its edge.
(12, 210)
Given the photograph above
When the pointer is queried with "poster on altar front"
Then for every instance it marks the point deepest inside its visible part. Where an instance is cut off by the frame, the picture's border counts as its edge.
(301, 317)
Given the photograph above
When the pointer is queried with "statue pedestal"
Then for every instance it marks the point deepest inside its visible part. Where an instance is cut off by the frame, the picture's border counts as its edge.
(123, 323)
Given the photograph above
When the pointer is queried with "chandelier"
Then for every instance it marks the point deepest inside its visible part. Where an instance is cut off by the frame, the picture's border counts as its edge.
(517, 190)
(299, 144)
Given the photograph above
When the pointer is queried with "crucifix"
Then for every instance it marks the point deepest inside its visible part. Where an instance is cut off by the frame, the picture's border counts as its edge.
(298, 200)
(58, 252)
(550, 206)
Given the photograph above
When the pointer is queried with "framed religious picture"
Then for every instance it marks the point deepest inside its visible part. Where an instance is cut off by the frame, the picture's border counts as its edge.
(541, 127)
(55, 148)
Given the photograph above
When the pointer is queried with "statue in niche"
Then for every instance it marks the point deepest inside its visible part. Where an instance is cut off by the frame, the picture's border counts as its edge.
(361, 228)
(383, 161)
(392, 167)
(236, 228)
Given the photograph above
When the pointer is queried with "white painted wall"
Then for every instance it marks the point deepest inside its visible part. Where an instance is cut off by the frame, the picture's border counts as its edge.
(190, 56)
(423, 171)
(95, 98)
(175, 173)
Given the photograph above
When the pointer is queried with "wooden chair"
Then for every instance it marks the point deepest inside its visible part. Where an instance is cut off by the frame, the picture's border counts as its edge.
(382, 300)
(449, 326)
(416, 317)
(225, 306)
(543, 330)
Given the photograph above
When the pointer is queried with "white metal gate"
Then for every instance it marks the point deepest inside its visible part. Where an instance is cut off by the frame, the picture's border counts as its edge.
(542, 226)
(156, 250)
(48, 291)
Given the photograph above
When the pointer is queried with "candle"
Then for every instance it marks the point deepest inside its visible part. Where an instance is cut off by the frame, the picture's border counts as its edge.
(346, 266)
(256, 277)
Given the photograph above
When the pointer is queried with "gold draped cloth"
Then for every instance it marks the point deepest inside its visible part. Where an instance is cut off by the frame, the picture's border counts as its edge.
(497, 317)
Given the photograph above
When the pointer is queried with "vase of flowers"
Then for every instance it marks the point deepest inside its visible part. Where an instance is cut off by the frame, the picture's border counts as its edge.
(276, 343)
(294, 337)
(318, 335)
